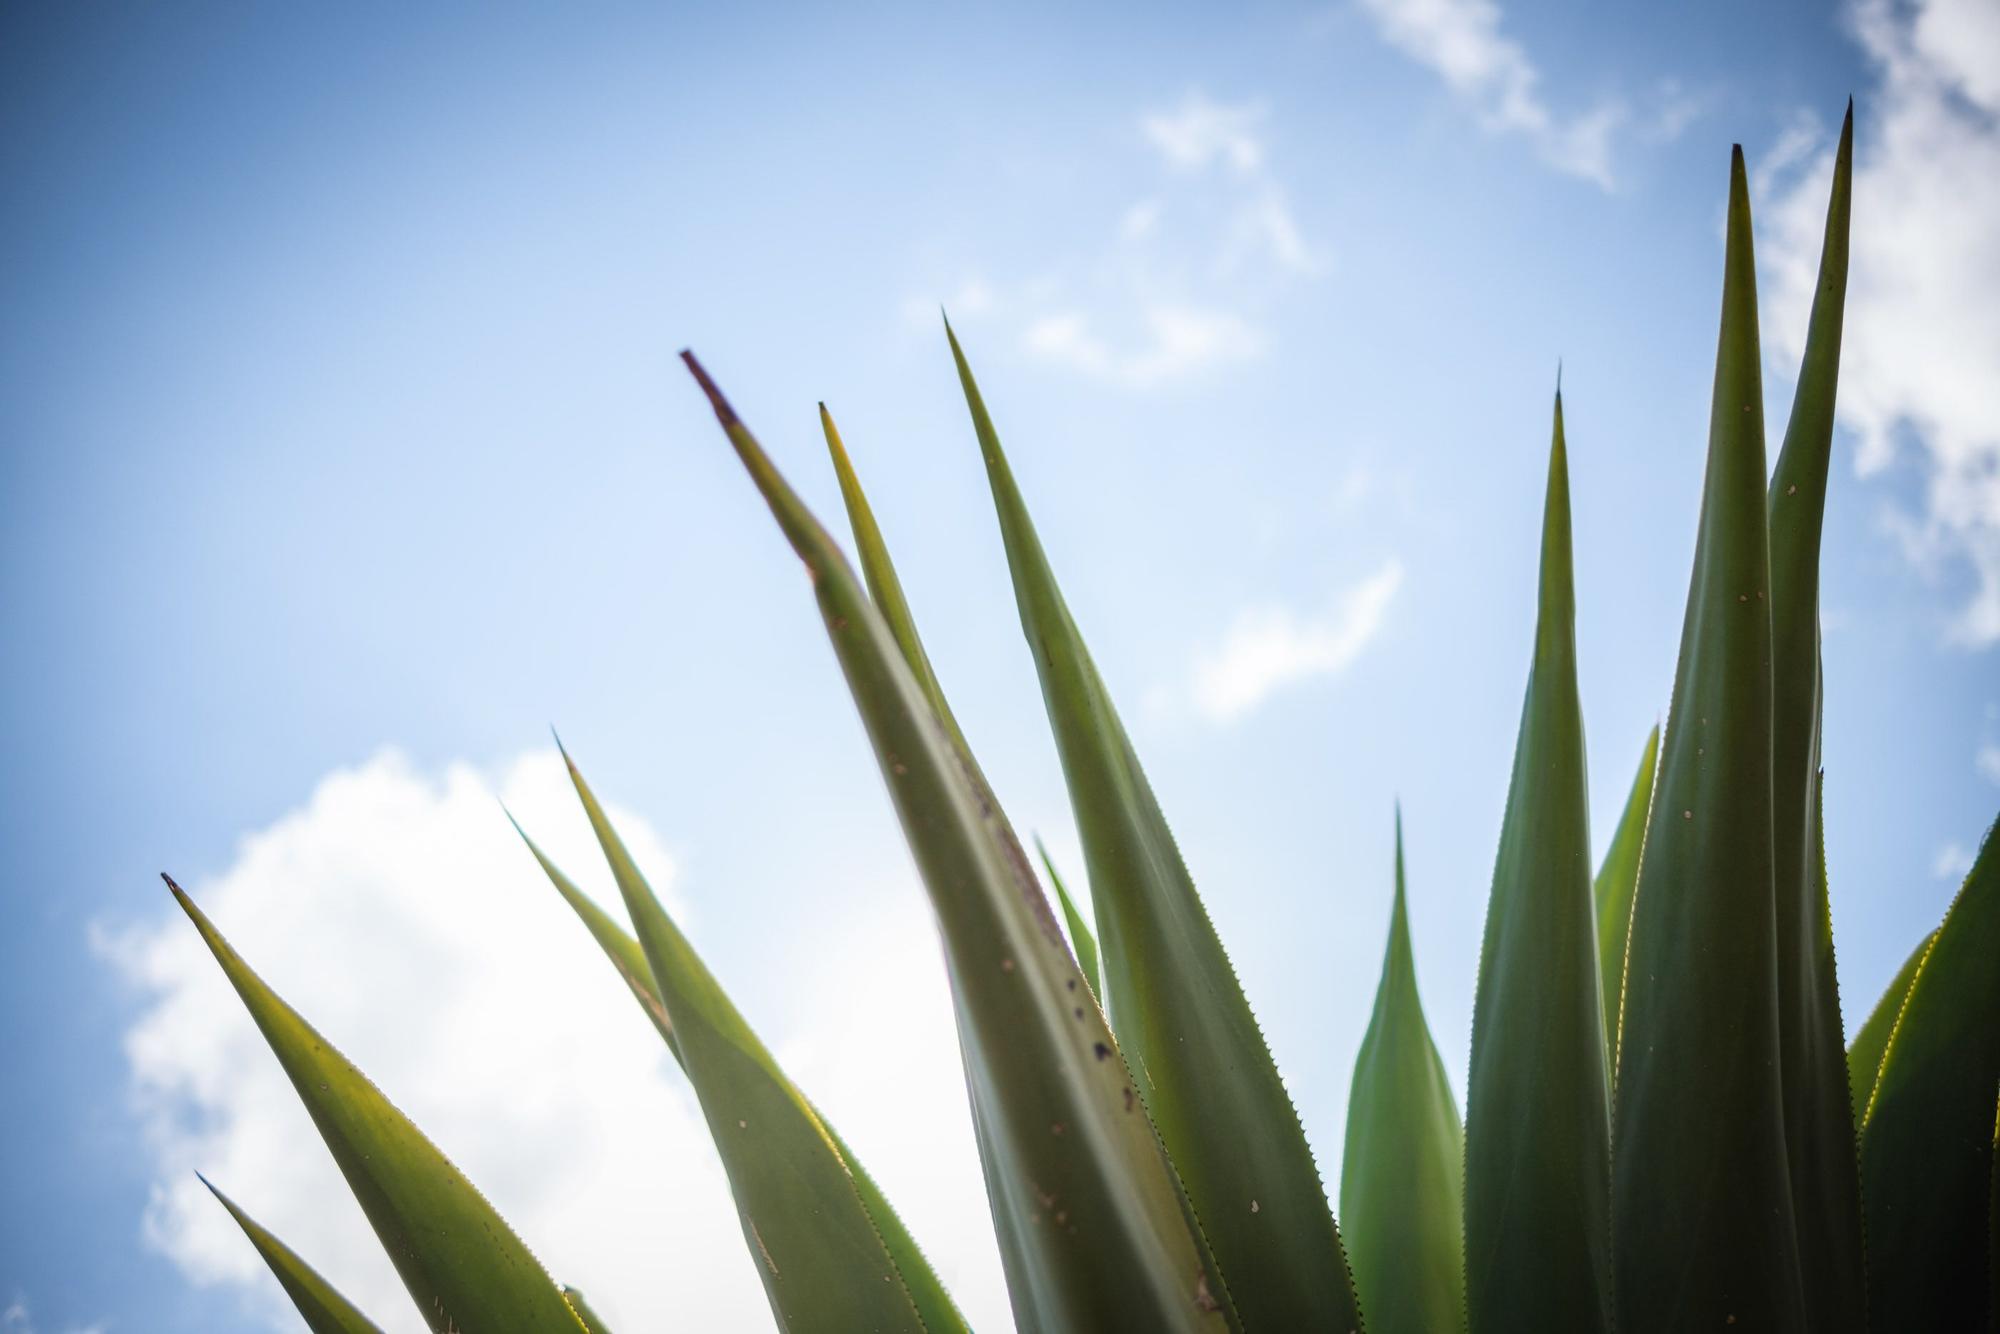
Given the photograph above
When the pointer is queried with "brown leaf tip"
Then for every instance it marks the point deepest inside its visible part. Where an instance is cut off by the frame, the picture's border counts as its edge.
(723, 412)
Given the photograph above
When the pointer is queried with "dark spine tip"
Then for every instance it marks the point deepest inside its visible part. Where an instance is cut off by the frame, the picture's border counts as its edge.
(724, 413)
(170, 883)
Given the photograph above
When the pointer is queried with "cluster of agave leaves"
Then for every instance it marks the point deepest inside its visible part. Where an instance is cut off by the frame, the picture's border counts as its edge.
(1663, 1130)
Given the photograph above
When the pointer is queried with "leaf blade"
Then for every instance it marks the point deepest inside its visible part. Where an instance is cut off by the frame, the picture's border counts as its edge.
(1612, 890)
(1864, 1057)
(1701, 1203)
(1819, 1125)
(1928, 1144)
(927, 1292)
(1057, 1117)
(1538, 1119)
(1402, 1185)
(1171, 991)
(324, 1310)
(465, 1268)
(822, 1258)
(1080, 937)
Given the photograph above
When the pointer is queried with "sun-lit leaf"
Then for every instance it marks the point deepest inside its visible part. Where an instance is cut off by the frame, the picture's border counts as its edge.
(1094, 1232)
(584, 1313)
(821, 1257)
(1864, 1055)
(1402, 1182)
(324, 1309)
(465, 1269)
(625, 954)
(1613, 887)
(1927, 1146)
(1537, 1109)
(1701, 1202)
(1819, 1124)
(1081, 938)
(1208, 1077)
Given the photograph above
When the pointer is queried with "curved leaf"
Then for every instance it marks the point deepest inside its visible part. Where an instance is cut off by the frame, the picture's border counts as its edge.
(1701, 1201)
(1080, 937)
(823, 1262)
(324, 1309)
(583, 1311)
(1210, 1082)
(887, 590)
(1819, 1123)
(1927, 1148)
(1402, 1183)
(1864, 1057)
(1537, 1111)
(1093, 1229)
(1613, 887)
(933, 1303)
(465, 1269)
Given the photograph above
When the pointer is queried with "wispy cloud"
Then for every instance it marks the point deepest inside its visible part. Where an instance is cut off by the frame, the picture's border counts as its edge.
(1952, 862)
(1987, 761)
(1272, 646)
(556, 1098)
(1922, 335)
(1199, 133)
(1461, 41)
(16, 1318)
(1178, 340)
(1180, 282)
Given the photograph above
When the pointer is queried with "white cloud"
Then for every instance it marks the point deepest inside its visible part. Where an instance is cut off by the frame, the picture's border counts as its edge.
(402, 915)
(1179, 284)
(1175, 340)
(16, 1318)
(1988, 761)
(1952, 862)
(1272, 646)
(1200, 132)
(1461, 42)
(1922, 334)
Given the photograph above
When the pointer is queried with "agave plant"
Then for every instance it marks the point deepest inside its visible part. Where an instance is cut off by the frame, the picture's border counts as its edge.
(1662, 1131)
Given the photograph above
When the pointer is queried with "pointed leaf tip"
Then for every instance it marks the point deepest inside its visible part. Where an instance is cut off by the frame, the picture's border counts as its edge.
(723, 412)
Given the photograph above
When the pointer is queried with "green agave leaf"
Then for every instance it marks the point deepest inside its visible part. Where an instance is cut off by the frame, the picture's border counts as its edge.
(1864, 1057)
(583, 1311)
(1612, 890)
(465, 1269)
(1209, 1080)
(1079, 930)
(887, 590)
(933, 1303)
(1927, 1147)
(618, 946)
(823, 1260)
(1094, 1232)
(1402, 1182)
(1701, 1201)
(324, 1309)
(1819, 1122)
(1538, 1111)
(884, 586)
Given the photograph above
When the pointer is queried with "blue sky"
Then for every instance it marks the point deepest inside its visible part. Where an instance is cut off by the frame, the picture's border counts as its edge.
(343, 450)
